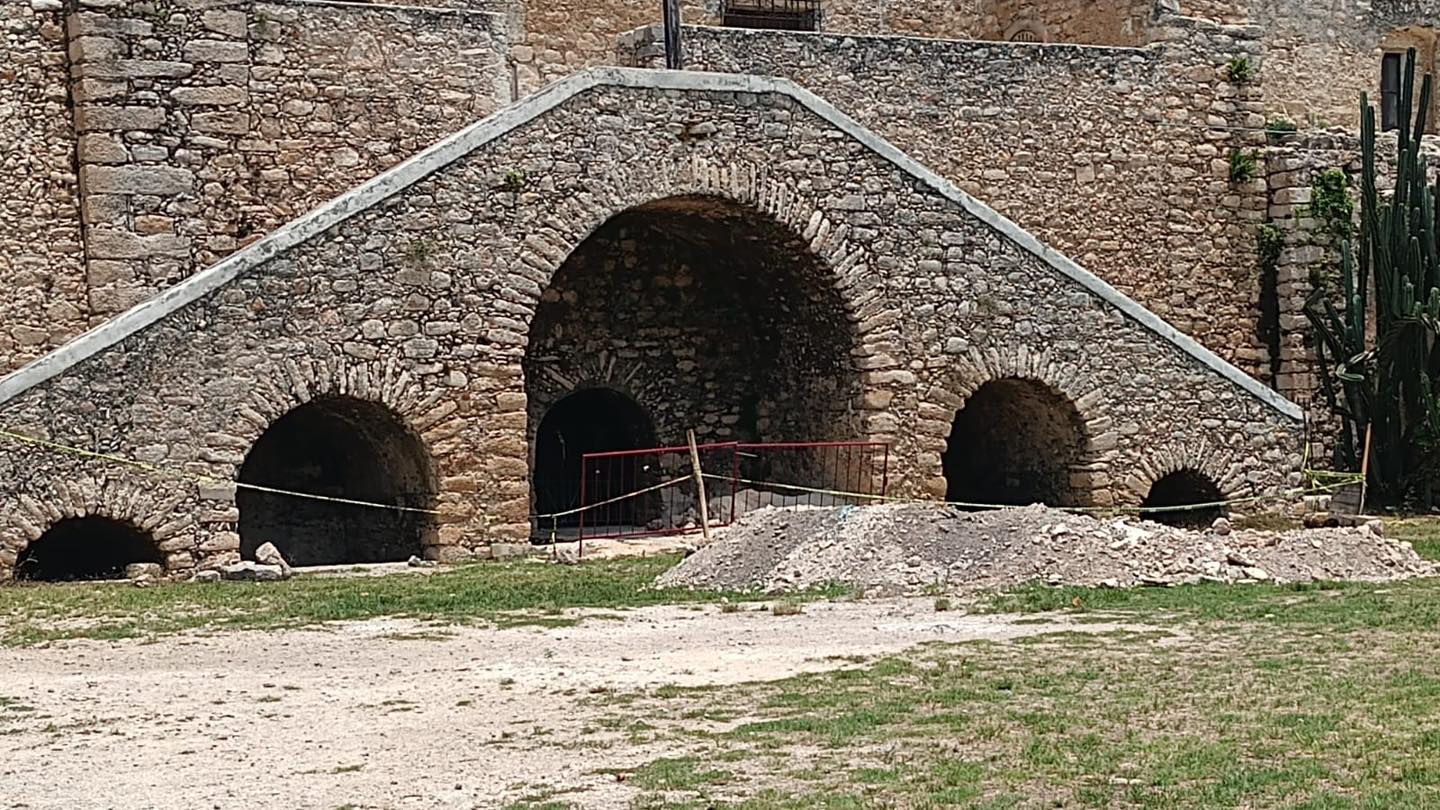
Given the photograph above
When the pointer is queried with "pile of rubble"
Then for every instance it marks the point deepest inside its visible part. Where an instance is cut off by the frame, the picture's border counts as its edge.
(901, 548)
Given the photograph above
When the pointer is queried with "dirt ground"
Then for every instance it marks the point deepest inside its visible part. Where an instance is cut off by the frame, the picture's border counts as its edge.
(396, 714)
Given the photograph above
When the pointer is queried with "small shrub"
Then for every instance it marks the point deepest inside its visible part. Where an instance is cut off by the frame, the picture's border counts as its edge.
(1277, 128)
(942, 604)
(1241, 70)
(786, 609)
(1331, 203)
(729, 607)
(514, 181)
(1270, 240)
(1243, 165)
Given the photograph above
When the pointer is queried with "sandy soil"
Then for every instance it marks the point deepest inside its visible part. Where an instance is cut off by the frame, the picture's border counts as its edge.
(395, 714)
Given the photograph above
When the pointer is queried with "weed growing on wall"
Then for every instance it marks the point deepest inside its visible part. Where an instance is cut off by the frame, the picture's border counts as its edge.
(1241, 70)
(1244, 165)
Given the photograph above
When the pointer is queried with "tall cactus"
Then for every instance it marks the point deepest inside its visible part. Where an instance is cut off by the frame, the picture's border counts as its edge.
(1382, 375)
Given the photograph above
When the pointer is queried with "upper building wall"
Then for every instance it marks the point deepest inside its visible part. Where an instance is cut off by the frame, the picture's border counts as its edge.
(558, 37)
(1118, 157)
(41, 258)
(1321, 56)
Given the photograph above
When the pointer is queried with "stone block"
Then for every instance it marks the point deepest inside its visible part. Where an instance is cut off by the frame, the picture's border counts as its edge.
(92, 118)
(225, 123)
(215, 50)
(154, 180)
(219, 96)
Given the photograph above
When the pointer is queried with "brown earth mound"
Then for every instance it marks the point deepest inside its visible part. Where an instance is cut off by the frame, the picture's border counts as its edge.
(910, 547)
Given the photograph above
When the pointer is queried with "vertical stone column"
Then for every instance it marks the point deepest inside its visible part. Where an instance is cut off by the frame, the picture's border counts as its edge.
(160, 92)
(42, 265)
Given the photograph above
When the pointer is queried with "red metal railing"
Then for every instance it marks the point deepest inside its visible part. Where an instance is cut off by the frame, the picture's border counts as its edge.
(635, 493)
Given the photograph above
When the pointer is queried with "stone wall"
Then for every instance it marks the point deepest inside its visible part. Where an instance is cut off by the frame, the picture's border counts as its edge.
(1321, 56)
(943, 297)
(1310, 255)
(42, 264)
(202, 126)
(1118, 157)
(562, 36)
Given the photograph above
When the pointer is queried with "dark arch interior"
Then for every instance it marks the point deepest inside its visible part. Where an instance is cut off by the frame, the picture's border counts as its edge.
(595, 420)
(1014, 443)
(713, 315)
(86, 548)
(1183, 488)
(339, 447)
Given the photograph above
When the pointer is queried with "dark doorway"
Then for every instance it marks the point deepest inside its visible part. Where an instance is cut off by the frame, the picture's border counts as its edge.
(595, 420)
(337, 447)
(1014, 443)
(86, 548)
(1184, 488)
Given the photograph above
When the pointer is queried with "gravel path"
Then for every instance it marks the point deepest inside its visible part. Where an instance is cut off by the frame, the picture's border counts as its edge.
(387, 714)
(908, 547)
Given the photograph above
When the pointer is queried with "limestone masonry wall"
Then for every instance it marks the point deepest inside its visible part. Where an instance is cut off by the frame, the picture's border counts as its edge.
(939, 299)
(42, 262)
(1321, 56)
(1118, 157)
(203, 125)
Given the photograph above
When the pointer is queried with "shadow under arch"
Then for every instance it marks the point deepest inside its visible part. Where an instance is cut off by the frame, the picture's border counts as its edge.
(86, 548)
(1015, 441)
(342, 448)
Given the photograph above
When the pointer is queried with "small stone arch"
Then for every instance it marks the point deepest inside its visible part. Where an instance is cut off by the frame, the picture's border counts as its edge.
(347, 451)
(1184, 488)
(87, 548)
(1182, 474)
(1015, 441)
(1067, 402)
(1026, 32)
(590, 419)
(157, 509)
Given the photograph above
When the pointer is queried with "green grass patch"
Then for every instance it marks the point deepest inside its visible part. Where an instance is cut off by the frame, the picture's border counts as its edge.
(1422, 532)
(506, 594)
(1248, 697)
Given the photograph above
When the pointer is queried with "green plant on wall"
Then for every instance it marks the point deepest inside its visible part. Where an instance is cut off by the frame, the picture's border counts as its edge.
(1241, 70)
(1331, 203)
(1244, 165)
(1270, 240)
(1279, 127)
(1377, 344)
(514, 181)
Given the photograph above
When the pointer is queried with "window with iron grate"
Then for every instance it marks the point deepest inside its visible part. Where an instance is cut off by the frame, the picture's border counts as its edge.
(784, 15)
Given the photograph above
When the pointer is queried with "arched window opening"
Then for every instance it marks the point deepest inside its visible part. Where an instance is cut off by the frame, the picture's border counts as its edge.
(1014, 443)
(86, 548)
(345, 449)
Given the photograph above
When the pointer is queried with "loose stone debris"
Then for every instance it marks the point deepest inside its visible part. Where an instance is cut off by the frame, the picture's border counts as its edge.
(250, 571)
(905, 548)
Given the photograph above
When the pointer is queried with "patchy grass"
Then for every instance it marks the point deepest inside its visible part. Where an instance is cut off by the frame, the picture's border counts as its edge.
(502, 593)
(1264, 713)
(1409, 605)
(1422, 532)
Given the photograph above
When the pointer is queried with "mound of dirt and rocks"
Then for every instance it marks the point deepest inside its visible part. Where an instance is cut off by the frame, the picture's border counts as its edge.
(900, 548)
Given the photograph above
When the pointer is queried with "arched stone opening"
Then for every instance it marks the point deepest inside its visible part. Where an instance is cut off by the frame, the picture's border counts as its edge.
(344, 448)
(594, 420)
(713, 315)
(86, 548)
(1015, 442)
(1183, 488)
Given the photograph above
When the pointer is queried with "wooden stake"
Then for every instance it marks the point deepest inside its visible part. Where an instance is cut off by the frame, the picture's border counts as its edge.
(699, 486)
(1365, 468)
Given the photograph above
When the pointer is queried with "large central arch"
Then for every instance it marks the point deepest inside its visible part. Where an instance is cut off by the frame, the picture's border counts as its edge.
(711, 315)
